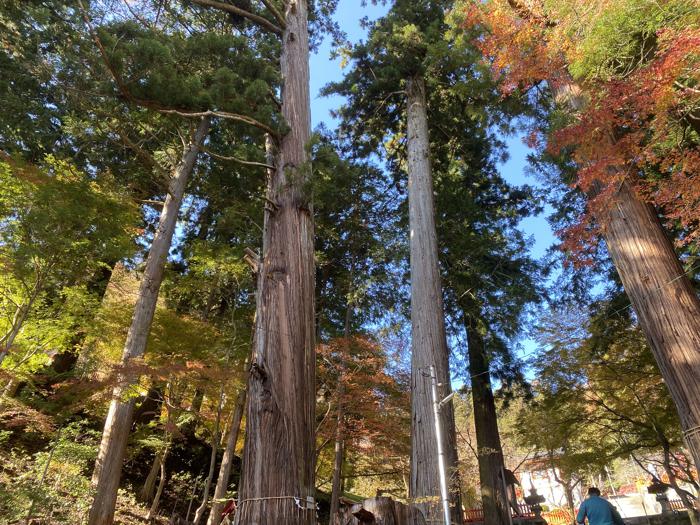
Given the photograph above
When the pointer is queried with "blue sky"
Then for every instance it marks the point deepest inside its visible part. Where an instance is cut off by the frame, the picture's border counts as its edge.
(324, 70)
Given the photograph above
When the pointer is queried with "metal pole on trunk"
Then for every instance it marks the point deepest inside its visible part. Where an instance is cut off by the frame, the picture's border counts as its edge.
(441, 453)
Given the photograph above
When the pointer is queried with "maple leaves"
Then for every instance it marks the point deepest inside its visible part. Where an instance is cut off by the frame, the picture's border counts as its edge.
(628, 73)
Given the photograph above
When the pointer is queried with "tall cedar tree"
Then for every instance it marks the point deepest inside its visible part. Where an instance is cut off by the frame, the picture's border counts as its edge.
(278, 473)
(489, 278)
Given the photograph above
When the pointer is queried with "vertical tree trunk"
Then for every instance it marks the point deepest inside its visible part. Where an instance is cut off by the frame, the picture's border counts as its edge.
(340, 424)
(222, 481)
(688, 502)
(337, 467)
(149, 486)
(18, 321)
(488, 441)
(105, 478)
(155, 505)
(428, 340)
(279, 450)
(212, 460)
(663, 298)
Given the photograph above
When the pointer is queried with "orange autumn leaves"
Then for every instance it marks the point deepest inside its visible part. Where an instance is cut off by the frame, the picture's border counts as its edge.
(375, 404)
(640, 80)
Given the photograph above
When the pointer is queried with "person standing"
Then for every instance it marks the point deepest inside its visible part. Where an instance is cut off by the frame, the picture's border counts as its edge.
(599, 511)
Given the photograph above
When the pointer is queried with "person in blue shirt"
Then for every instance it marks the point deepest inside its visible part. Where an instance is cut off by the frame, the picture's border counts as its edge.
(599, 511)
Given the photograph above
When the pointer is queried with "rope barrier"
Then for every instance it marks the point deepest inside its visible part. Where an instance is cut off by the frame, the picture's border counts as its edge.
(309, 503)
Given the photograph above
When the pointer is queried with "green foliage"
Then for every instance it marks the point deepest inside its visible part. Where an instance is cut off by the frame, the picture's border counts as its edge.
(202, 71)
(61, 224)
(487, 271)
(623, 36)
(53, 482)
(599, 394)
(60, 228)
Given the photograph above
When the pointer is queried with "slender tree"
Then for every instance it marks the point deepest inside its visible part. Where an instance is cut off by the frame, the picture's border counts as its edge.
(107, 471)
(428, 338)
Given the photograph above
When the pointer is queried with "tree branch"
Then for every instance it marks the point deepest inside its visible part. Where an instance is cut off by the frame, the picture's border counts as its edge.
(281, 20)
(256, 19)
(213, 113)
(235, 159)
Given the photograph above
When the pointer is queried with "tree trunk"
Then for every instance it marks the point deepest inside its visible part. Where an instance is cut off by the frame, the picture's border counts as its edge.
(661, 293)
(279, 450)
(212, 461)
(337, 467)
(381, 511)
(340, 424)
(222, 481)
(685, 497)
(151, 405)
(105, 478)
(663, 298)
(149, 486)
(428, 340)
(488, 441)
(161, 486)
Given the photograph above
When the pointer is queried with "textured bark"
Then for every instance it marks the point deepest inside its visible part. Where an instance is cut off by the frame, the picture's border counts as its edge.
(428, 340)
(663, 298)
(494, 497)
(222, 481)
(380, 511)
(278, 460)
(110, 457)
(661, 293)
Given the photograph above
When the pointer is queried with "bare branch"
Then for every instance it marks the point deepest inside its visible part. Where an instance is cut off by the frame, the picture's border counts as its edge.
(220, 114)
(236, 159)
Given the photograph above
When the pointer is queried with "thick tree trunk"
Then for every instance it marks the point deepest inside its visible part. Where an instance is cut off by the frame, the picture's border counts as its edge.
(278, 461)
(381, 511)
(494, 497)
(428, 340)
(222, 481)
(663, 298)
(105, 478)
